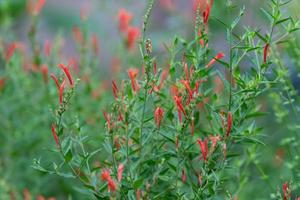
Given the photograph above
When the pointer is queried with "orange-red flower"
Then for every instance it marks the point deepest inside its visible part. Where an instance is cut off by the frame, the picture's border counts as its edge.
(206, 13)
(108, 120)
(67, 72)
(219, 56)
(132, 73)
(204, 148)
(132, 35)
(61, 91)
(179, 106)
(55, 80)
(56, 139)
(214, 140)
(120, 172)
(158, 116)
(187, 86)
(124, 18)
(115, 89)
(285, 190)
(105, 175)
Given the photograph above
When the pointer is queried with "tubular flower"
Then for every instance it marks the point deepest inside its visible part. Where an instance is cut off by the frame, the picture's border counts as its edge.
(10, 51)
(124, 18)
(55, 80)
(204, 148)
(266, 49)
(187, 86)
(186, 72)
(206, 13)
(229, 124)
(219, 56)
(61, 91)
(120, 171)
(132, 35)
(154, 68)
(105, 176)
(132, 73)
(108, 120)
(285, 190)
(179, 106)
(158, 116)
(55, 135)
(214, 140)
(67, 72)
(115, 89)
(164, 76)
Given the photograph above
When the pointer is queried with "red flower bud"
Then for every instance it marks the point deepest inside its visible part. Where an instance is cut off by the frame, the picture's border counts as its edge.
(105, 176)
(61, 91)
(108, 120)
(115, 89)
(158, 116)
(55, 80)
(204, 148)
(120, 171)
(214, 140)
(286, 192)
(56, 139)
(132, 73)
(219, 56)
(180, 108)
(67, 72)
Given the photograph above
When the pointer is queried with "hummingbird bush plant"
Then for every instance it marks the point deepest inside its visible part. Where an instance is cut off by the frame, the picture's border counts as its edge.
(178, 128)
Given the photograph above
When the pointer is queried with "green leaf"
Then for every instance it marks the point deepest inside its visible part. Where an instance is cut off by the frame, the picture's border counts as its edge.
(68, 156)
(137, 183)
